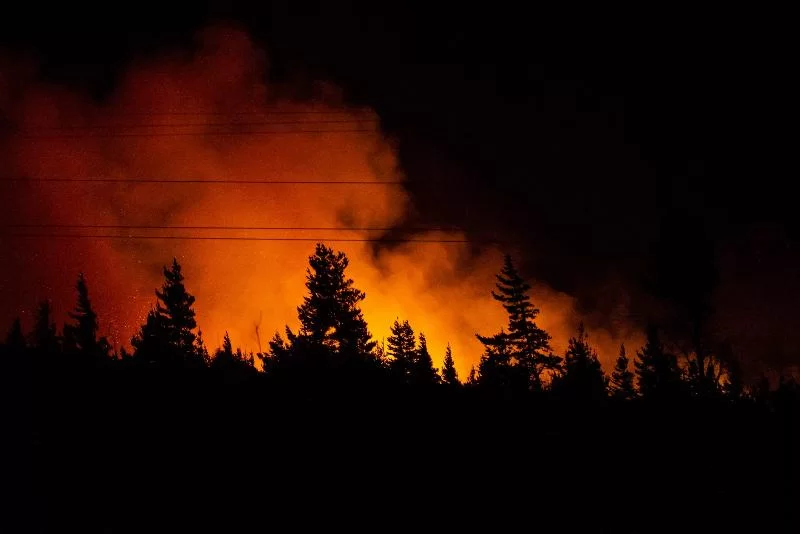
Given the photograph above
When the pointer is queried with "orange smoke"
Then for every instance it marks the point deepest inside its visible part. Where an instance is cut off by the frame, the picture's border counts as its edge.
(148, 130)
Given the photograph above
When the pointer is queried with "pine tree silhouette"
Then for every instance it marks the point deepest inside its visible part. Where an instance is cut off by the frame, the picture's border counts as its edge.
(15, 340)
(583, 376)
(330, 315)
(234, 364)
(706, 371)
(202, 349)
(82, 335)
(472, 378)
(734, 385)
(44, 336)
(526, 343)
(422, 371)
(449, 374)
(496, 370)
(401, 348)
(657, 371)
(223, 359)
(621, 382)
(167, 337)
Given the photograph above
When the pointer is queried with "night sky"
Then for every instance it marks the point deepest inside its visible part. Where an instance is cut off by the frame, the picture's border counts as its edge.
(637, 158)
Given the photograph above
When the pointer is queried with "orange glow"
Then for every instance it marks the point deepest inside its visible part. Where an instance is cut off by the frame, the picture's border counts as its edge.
(437, 287)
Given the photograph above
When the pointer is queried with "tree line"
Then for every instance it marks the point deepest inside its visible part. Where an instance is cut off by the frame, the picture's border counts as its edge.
(334, 341)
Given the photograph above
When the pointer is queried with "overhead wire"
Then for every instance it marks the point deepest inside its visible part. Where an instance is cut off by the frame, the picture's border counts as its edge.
(190, 134)
(231, 124)
(199, 181)
(239, 238)
(232, 228)
(205, 124)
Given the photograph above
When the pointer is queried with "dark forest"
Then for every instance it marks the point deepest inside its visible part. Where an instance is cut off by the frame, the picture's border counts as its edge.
(329, 427)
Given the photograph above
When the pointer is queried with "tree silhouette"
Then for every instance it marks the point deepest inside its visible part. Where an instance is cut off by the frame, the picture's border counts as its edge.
(496, 370)
(82, 335)
(621, 382)
(583, 376)
(472, 377)
(202, 349)
(422, 370)
(449, 374)
(734, 385)
(401, 348)
(330, 315)
(229, 362)
(710, 372)
(526, 343)
(44, 336)
(657, 371)
(168, 337)
(15, 340)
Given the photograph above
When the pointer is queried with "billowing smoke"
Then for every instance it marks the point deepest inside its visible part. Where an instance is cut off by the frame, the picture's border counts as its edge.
(210, 115)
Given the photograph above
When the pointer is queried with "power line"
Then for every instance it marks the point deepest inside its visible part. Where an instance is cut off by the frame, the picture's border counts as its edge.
(234, 228)
(240, 238)
(204, 124)
(189, 134)
(239, 113)
(199, 181)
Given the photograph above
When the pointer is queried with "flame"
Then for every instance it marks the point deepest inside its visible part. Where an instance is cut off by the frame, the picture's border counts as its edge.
(441, 288)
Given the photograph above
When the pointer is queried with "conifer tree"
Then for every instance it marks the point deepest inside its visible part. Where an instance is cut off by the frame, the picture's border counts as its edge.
(278, 348)
(527, 344)
(657, 371)
(175, 304)
(227, 345)
(202, 350)
(44, 336)
(82, 335)
(734, 385)
(223, 359)
(583, 376)
(449, 374)
(496, 370)
(15, 340)
(621, 383)
(168, 337)
(231, 362)
(472, 378)
(401, 348)
(422, 370)
(330, 315)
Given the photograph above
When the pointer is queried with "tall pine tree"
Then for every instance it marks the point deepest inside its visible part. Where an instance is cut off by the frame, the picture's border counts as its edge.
(526, 343)
(401, 349)
(15, 339)
(330, 315)
(621, 383)
(167, 338)
(82, 334)
(44, 336)
(657, 371)
(583, 376)
(422, 372)
(449, 374)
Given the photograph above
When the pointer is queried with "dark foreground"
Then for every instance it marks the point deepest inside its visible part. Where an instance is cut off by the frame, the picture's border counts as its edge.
(120, 451)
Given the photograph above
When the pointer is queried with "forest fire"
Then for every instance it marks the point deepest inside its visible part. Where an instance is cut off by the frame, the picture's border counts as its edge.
(210, 118)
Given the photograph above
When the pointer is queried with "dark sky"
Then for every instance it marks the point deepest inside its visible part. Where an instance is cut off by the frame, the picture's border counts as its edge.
(642, 150)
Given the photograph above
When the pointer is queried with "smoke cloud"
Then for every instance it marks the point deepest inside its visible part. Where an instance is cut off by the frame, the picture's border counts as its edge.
(148, 129)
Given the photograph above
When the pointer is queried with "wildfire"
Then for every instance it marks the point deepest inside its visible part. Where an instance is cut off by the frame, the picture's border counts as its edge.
(211, 117)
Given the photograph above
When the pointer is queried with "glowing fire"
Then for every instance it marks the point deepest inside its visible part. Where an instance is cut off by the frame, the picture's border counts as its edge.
(238, 284)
